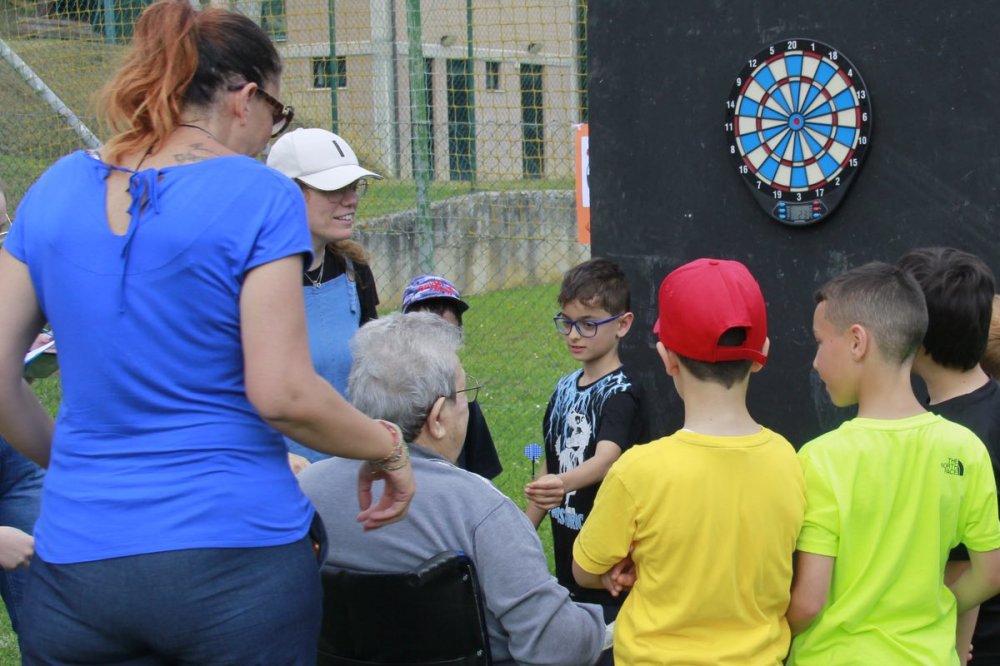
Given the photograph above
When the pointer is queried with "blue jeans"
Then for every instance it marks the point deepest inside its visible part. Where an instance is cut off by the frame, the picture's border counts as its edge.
(20, 497)
(199, 606)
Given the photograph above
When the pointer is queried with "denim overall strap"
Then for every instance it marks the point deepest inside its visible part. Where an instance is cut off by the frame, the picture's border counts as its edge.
(332, 317)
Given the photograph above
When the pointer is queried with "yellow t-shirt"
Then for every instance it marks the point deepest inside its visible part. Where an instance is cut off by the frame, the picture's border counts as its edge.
(714, 522)
(888, 499)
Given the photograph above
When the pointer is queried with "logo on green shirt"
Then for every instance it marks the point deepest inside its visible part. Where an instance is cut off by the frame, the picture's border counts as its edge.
(953, 466)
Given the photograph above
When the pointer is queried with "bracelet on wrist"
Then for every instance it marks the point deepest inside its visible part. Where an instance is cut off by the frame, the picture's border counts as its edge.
(400, 456)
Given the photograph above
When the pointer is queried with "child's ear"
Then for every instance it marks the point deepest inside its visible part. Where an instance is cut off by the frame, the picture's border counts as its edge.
(860, 340)
(625, 323)
(765, 348)
(669, 358)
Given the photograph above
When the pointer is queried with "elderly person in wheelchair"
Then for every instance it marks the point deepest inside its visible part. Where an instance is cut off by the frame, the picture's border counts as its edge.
(406, 370)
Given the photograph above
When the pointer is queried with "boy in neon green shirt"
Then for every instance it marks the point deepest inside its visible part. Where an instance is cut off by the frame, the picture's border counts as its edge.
(889, 492)
(710, 514)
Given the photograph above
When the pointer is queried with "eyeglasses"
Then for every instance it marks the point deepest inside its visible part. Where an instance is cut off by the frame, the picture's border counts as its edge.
(5, 227)
(281, 114)
(359, 187)
(471, 389)
(586, 328)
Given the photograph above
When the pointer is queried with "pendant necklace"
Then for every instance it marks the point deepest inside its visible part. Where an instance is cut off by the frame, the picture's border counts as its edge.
(319, 278)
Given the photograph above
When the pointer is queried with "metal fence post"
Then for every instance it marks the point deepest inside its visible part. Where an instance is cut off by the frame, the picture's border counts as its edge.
(110, 27)
(470, 68)
(332, 28)
(421, 136)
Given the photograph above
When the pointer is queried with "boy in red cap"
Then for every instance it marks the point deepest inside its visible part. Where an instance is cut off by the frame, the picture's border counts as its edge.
(702, 523)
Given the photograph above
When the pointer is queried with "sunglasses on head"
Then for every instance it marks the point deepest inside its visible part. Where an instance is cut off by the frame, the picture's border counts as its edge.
(281, 114)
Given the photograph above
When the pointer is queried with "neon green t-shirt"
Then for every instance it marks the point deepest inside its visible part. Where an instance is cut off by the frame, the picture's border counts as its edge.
(888, 499)
(714, 522)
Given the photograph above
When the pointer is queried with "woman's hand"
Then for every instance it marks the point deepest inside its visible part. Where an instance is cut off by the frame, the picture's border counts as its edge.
(16, 548)
(396, 494)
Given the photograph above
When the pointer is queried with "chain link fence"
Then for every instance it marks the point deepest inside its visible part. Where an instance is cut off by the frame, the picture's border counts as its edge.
(468, 108)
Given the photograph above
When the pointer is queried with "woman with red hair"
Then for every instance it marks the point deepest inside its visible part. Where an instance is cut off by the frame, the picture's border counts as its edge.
(169, 265)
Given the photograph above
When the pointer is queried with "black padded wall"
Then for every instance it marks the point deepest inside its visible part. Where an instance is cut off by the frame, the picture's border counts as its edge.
(664, 190)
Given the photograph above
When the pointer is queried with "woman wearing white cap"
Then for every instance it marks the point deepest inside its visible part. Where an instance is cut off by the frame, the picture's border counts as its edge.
(338, 286)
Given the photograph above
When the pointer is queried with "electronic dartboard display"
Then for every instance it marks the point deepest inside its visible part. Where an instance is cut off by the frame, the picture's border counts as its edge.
(798, 124)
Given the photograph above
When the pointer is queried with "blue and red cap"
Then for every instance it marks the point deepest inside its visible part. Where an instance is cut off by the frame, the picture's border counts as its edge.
(426, 287)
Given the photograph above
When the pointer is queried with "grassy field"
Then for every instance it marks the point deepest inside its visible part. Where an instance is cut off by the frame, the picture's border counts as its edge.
(9, 654)
(511, 348)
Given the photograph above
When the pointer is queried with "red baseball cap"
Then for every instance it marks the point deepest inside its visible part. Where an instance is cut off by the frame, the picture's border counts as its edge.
(703, 299)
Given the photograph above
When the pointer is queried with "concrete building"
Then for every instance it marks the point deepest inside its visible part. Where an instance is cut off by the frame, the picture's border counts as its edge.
(508, 116)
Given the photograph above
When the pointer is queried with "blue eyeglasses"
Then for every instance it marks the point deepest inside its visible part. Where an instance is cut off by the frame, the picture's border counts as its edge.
(586, 328)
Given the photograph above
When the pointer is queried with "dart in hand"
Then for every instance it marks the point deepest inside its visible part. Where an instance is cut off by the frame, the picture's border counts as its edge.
(533, 452)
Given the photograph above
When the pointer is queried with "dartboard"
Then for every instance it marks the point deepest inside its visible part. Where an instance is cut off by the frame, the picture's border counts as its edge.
(798, 124)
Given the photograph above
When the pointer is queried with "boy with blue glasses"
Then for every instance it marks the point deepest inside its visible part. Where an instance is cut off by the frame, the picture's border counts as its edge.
(592, 417)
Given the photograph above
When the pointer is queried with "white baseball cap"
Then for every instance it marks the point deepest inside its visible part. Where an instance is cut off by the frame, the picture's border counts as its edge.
(318, 158)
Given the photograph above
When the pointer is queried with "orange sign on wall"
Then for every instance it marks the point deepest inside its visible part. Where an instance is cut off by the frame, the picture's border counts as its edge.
(582, 141)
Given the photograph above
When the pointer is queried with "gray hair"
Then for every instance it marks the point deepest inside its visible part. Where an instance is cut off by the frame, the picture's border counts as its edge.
(402, 364)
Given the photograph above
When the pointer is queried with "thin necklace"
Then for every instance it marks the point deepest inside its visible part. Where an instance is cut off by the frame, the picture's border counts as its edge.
(202, 129)
(143, 158)
(319, 278)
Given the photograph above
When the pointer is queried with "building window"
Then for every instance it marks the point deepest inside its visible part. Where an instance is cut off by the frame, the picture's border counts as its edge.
(492, 75)
(532, 121)
(461, 120)
(327, 72)
(322, 73)
(340, 71)
(272, 19)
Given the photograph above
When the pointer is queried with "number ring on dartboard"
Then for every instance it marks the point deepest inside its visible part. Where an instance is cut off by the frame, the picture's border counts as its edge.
(798, 123)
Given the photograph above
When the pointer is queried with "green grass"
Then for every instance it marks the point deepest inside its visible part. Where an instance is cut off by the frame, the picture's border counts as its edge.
(511, 347)
(10, 655)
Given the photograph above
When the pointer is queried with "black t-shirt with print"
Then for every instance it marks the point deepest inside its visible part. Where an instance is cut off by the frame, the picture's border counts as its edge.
(576, 419)
(979, 411)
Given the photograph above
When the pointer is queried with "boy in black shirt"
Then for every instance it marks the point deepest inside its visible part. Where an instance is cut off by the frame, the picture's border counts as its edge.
(592, 417)
(959, 289)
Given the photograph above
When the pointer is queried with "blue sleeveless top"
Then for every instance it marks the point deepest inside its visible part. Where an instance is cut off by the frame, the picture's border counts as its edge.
(156, 446)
